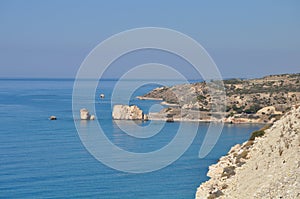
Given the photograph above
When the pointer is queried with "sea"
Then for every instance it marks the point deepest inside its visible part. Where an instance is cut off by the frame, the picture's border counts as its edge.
(42, 158)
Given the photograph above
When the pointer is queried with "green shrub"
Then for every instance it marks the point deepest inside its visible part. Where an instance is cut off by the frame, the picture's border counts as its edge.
(238, 109)
(260, 132)
(255, 134)
(253, 109)
(201, 97)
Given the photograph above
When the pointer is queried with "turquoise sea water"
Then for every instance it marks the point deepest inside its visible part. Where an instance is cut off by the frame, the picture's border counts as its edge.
(40, 158)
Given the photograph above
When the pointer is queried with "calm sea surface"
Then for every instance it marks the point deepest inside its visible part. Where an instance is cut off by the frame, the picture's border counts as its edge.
(40, 158)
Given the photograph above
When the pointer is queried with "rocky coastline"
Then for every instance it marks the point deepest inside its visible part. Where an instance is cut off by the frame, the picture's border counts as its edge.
(257, 101)
(265, 166)
(263, 100)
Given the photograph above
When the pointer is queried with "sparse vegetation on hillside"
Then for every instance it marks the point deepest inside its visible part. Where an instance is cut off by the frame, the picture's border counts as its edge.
(243, 96)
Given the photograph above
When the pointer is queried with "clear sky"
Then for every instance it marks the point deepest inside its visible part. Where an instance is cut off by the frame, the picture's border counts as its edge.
(245, 38)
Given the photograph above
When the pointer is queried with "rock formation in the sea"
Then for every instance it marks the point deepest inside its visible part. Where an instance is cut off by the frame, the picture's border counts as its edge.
(85, 115)
(92, 117)
(125, 112)
(266, 166)
(52, 117)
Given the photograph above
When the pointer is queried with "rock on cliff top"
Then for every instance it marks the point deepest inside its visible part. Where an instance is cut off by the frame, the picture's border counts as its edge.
(266, 167)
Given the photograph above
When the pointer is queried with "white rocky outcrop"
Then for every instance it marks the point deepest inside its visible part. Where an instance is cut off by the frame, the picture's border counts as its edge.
(85, 115)
(267, 167)
(125, 112)
(268, 111)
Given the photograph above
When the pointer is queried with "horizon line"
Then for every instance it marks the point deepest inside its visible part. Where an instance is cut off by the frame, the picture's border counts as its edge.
(114, 78)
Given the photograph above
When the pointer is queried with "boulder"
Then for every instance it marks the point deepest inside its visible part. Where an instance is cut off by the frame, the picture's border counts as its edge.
(52, 117)
(125, 112)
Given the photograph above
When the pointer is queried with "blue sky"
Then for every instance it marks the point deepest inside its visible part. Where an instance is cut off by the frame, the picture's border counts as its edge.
(245, 38)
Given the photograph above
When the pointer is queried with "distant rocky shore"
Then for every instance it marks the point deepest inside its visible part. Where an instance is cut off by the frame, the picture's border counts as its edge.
(265, 166)
(261, 100)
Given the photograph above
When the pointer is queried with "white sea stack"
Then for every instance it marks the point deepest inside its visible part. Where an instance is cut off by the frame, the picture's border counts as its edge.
(125, 112)
(84, 114)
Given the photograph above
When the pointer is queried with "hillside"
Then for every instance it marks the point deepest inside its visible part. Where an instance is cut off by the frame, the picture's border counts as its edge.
(263, 167)
(244, 98)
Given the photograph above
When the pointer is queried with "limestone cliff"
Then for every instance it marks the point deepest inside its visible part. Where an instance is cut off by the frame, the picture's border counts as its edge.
(263, 167)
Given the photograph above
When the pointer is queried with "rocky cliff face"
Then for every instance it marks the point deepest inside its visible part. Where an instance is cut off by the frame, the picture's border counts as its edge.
(125, 112)
(263, 167)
